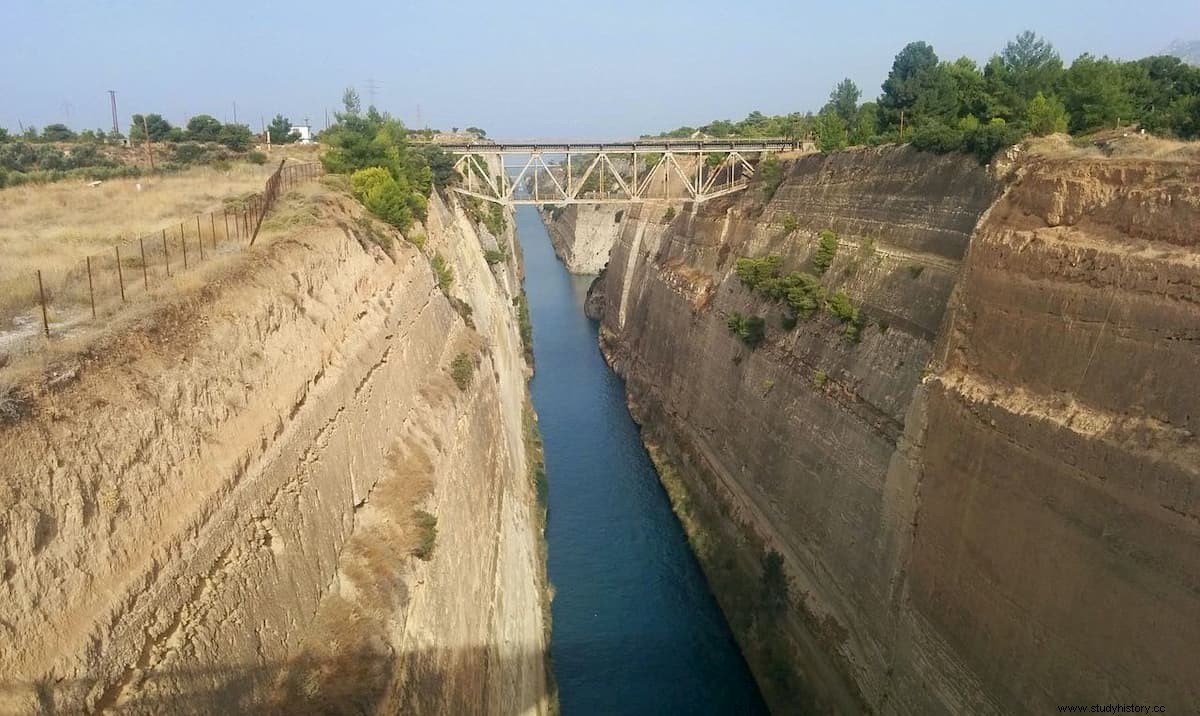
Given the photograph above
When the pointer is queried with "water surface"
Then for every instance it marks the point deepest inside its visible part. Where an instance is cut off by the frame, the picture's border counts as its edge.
(636, 630)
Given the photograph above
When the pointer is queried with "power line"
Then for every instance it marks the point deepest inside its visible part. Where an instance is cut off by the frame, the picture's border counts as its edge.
(372, 89)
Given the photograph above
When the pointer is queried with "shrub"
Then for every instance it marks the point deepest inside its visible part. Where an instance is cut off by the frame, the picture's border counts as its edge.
(840, 306)
(801, 291)
(525, 324)
(789, 223)
(256, 158)
(462, 369)
(771, 172)
(427, 526)
(750, 329)
(819, 377)
(755, 273)
(445, 275)
(773, 586)
(914, 270)
(805, 296)
(827, 247)
(669, 215)
(495, 256)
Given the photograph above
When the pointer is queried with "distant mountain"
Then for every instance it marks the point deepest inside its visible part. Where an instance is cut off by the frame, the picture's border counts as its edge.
(1186, 50)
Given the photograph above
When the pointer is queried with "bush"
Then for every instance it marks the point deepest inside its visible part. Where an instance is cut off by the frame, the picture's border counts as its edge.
(789, 223)
(383, 196)
(840, 306)
(773, 594)
(495, 256)
(750, 329)
(445, 275)
(771, 172)
(427, 526)
(938, 138)
(801, 291)
(914, 270)
(669, 215)
(256, 158)
(462, 369)
(827, 247)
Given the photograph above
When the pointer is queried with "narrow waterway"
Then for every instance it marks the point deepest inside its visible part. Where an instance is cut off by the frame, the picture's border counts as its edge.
(636, 630)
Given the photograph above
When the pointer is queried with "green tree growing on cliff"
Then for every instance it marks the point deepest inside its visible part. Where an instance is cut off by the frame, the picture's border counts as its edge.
(774, 597)
(827, 246)
(1045, 115)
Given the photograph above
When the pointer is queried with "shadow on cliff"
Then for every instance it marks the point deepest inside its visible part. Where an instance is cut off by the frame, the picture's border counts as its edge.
(362, 681)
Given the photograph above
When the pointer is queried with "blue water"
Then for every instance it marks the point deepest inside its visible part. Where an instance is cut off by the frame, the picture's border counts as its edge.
(636, 630)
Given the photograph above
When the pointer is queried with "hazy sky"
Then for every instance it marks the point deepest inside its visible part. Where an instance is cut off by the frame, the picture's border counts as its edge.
(533, 69)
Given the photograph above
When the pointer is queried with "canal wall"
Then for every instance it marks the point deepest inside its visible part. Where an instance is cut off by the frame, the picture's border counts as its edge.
(301, 487)
(975, 487)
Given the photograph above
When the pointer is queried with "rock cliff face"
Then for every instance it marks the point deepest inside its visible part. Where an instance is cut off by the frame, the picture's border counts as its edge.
(583, 234)
(989, 500)
(271, 495)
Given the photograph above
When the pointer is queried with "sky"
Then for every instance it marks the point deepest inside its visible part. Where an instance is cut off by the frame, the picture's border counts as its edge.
(537, 69)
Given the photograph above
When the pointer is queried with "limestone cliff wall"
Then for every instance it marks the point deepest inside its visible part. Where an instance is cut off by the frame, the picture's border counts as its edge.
(222, 510)
(999, 477)
(583, 234)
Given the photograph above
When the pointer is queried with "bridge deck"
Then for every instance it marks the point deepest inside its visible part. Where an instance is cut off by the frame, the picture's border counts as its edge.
(642, 146)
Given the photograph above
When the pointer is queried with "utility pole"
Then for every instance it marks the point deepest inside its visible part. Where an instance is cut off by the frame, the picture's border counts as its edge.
(112, 100)
(326, 118)
(266, 133)
(235, 111)
(901, 125)
(149, 149)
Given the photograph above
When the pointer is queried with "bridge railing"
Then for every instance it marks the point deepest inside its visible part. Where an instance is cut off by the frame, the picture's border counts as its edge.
(638, 146)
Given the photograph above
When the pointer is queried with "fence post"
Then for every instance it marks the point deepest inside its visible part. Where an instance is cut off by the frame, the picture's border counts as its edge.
(183, 242)
(145, 271)
(212, 220)
(200, 237)
(120, 276)
(166, 253)
(91, 289)
(42, 293)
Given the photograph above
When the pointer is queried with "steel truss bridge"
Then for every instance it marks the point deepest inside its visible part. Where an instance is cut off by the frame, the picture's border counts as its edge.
(610, 173)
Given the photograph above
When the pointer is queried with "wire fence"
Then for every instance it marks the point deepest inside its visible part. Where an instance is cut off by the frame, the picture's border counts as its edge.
(59, 298)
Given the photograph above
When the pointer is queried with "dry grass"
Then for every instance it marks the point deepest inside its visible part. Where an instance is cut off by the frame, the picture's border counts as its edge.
(1126, 143)
(54, 226)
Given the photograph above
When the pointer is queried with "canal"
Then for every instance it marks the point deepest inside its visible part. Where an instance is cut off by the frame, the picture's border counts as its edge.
(636, 630)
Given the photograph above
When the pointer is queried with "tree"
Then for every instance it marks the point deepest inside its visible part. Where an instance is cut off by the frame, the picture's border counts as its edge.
(57, 133)
(1045, 115)
(843, 100)
(235, 136)
(908, 80)
(280, 130)
(831, 132)
(1033, 66)
(154, 124)
(477, 132)
(773, 585)
(1094, 93)
(204, 128)
(865, 124)
(351, 102)
(969, 88)
(4, 136)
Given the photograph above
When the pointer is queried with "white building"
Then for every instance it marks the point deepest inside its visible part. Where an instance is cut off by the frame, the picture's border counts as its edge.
(305, 133)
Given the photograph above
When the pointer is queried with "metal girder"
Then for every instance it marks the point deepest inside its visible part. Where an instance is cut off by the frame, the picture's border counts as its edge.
(731, 174)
